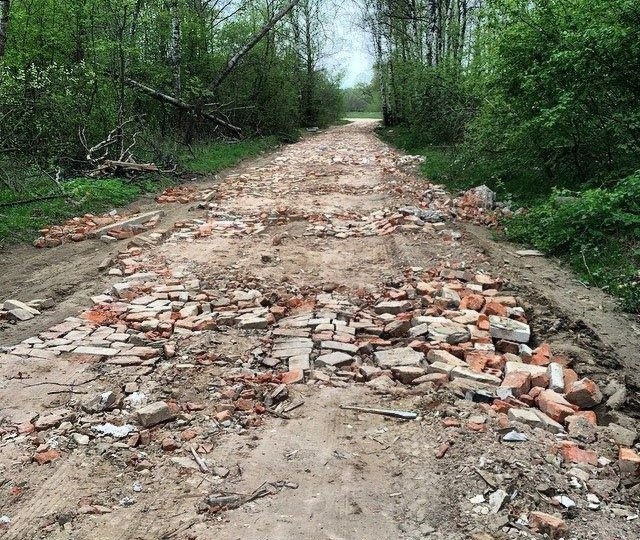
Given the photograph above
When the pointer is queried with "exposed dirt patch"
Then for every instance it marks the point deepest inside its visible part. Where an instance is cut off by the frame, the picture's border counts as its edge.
(296, 250)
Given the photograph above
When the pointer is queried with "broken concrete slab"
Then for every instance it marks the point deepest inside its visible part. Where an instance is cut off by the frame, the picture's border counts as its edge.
(404, 356)
(334, 359)
(509, 329)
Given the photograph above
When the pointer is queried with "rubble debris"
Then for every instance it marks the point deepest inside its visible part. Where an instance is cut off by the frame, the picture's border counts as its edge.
(218, 502)
(112, 226)
(218, 353)
(403, 415)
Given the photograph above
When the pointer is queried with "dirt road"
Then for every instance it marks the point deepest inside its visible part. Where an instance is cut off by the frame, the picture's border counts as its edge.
(193, 389)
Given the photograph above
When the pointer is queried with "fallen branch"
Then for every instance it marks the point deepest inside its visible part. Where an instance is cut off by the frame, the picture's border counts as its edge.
(179, 104)
(29, 201)
(231, 501)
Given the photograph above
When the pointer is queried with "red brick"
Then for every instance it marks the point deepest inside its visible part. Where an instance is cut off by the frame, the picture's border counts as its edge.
(169, 444)
(541, 381)
(26, 428)
(47, 456)
(501, 406)
(570, 377)
(246, 405)
(548, 524)
(541, 355)
(527, 400)
(572, 453)
(561, 359)
(554, 405)
(188, 434)
(518, 381)
(483, 322)
(629, 463)
(493, 308)
(535, 391)
(584, 393)
(292, 377)
(223, 416)
(474, 302)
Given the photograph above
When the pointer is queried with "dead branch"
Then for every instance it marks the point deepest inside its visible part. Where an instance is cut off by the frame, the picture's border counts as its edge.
(114, 136)
(33, 200)
(124, 164)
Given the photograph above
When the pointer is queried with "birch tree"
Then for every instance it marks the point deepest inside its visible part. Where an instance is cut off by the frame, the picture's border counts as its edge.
(5, 7)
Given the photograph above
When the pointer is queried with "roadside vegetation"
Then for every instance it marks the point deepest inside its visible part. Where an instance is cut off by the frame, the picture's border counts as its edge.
(539, 100)
(91, 91)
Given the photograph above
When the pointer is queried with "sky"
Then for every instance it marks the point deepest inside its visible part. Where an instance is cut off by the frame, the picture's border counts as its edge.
(349, 51)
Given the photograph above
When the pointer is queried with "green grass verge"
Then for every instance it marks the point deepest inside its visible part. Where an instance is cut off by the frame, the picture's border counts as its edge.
(214, 157)
(21, 222)
(374, 115)
(597, 231)
(445, 165)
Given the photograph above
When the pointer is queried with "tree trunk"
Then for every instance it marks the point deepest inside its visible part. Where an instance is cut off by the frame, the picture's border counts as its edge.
(5, 8)
(175, 52)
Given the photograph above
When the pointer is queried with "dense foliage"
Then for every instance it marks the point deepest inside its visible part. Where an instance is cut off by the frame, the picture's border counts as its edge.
(529, 97)
(597, 229)
(69, 67)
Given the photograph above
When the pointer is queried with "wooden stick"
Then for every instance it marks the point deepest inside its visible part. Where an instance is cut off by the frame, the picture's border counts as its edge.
(35, 199)
(404, 415)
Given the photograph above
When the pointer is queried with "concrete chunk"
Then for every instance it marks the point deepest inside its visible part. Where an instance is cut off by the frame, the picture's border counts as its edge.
(16, 304)
(95, 351)
(404, 356)
(509, 329)
(334, 359)
(466, 373)
(155, 413)
(393, 307)
(339, 346)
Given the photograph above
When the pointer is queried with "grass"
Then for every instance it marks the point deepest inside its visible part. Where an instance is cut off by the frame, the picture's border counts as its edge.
(213, 157)
(21, 222)
(374, 115)
(444, 165)
(439, 160)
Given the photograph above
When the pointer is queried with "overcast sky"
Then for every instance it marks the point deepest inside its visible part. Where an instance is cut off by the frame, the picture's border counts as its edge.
(349, 52)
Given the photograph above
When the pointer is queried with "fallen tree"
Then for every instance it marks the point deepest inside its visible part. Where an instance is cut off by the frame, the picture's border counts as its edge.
(235, 59)
(180, 104)
(198, 110)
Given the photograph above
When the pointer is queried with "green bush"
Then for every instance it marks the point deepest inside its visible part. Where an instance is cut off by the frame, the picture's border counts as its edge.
(598, 230)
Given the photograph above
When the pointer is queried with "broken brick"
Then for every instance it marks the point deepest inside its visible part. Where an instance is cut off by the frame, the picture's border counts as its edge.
(584, 393)
(546, 523)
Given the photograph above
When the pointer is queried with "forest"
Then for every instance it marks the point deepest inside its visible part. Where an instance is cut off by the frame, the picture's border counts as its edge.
(93, 86)
(538, 99)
